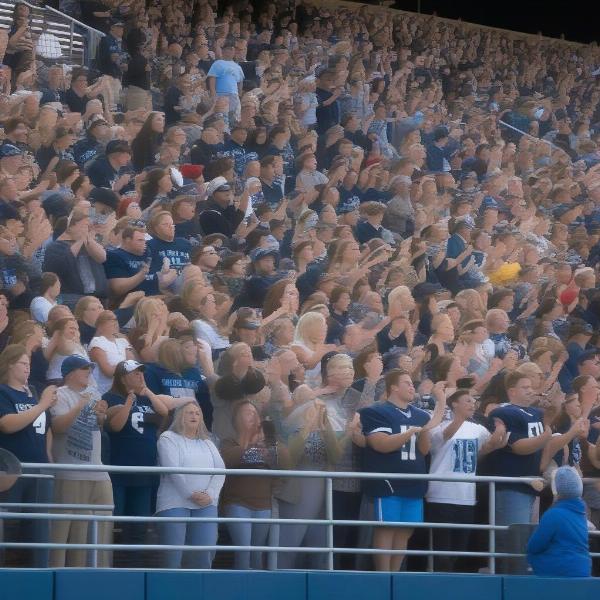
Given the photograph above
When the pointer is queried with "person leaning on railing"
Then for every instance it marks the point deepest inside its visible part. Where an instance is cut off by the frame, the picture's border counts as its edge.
(521, 457)
(24, 421)
(187, 444)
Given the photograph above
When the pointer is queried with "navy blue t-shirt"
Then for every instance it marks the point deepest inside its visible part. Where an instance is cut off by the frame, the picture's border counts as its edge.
(191, 383)
(385, 343)
(28, 444)
(388, 418)
(365, 232)
(521, 423)
(178, 252)
(122, 264)
(101, 173)
(348, 196)
(273, 194)
(135, 444)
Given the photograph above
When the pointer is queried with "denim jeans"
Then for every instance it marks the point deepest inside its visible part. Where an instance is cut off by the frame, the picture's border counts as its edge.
(512, 507)
(133, 501)
(190, 534)
(246, 534)
(27, 491)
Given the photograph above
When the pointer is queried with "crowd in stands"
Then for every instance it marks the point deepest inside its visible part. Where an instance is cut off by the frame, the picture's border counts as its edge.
(278, 236)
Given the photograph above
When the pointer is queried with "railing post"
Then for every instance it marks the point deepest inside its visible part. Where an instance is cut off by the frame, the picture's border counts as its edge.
(430, 558)
(492, 522)
(71, 32)
(94, 540)
(273, 539)
(329, 517)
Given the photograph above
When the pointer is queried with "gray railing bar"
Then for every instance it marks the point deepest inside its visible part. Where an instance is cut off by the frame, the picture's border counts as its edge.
(72, 20)
(329, 517)
(278, 473)
(500, 122)
(94, 543)
(308, 550)
(322, 522)
(492, 522)
(430, 564)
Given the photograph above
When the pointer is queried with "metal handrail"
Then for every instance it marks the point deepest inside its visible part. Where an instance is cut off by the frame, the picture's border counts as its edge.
(75, 21)
(58, 514)
(274, 473)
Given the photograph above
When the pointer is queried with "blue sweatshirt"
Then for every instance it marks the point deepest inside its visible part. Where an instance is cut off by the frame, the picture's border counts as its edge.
(559, 546)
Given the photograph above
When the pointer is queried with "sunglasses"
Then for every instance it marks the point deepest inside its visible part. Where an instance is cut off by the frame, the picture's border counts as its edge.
(136, 223)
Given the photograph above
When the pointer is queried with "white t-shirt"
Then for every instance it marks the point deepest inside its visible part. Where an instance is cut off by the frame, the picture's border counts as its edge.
(456, 456)
(116, 351)
(81, 443)
(40, 307)
(210, 335)
(57, 359)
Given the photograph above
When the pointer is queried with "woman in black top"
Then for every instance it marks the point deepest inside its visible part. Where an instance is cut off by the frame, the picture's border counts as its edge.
(137, 77)
(147, 142)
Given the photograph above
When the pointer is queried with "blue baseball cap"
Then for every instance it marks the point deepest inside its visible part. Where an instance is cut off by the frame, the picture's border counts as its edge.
(73, 363)
(259, 253)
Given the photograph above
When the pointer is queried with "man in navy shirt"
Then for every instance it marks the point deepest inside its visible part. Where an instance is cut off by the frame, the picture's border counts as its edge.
(169, 254)
(328, 107)
(234, 148)
(458, 246)
(438, 152)
(128, 268)
(92, 144)
(528, 435)
(397, 440)
(220, 214)
(370, 228)
(271, 189)
(111, 57)
(103, 170)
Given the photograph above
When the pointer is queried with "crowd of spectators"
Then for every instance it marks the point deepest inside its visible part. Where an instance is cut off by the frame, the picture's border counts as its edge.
(267, 235)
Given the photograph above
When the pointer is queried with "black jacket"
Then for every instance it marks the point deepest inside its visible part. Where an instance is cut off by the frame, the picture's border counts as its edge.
(216, 219)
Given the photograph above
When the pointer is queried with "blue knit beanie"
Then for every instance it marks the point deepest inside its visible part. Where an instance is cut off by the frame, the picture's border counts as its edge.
(567, 483)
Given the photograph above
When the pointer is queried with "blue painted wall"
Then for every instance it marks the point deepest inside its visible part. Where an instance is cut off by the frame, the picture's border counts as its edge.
(89, 584)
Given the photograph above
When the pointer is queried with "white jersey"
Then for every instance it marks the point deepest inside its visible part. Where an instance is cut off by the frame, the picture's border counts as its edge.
(456, 456)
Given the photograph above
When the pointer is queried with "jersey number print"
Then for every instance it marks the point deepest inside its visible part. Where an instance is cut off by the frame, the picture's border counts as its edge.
(408, 451)
(535, 429)
(464, 456)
